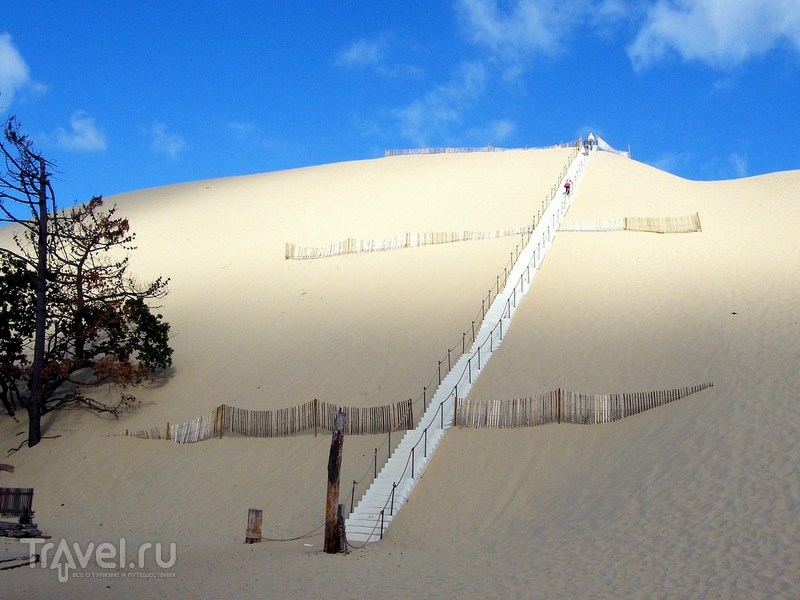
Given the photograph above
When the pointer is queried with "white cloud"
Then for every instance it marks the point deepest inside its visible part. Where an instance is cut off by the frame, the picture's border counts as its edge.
(361, 53)
(83, 135)
(165, 143)
(501, 129)
(525, 27)
(15, 75)
(722, 33)
(516, 30)
(673, 162)
(371, 54)
(243, 129)
(739, 164)
(443, 106)
(493, 134)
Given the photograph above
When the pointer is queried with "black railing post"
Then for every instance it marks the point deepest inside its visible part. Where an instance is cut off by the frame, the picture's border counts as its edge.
(424, 396)
(469, 367)
(390, 443)
(448, 360)
(375, 475)
(352, 496)
(440, 372)
(441, 410)
(479, 358)
(382, 524)
(412, 463)
(425, 446)
(473, 331)
(463, 342)
(391, 506)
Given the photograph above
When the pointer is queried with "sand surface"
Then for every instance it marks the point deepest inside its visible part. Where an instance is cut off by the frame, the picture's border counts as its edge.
(695, 499)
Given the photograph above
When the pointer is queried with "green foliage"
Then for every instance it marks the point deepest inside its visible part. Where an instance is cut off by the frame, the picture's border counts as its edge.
(100, 326)
(17, 298)
(142, 335)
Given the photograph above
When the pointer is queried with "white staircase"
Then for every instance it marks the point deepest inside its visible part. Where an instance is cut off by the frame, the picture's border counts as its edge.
(391, 488)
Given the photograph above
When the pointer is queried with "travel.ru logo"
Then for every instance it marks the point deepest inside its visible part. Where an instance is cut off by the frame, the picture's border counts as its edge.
(106, 556)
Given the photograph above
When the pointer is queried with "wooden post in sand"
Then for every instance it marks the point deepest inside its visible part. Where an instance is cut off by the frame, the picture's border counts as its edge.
(334, 468)
(253, 535)
(559, 406)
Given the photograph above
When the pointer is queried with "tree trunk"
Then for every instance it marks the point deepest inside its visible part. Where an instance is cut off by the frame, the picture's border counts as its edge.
(7, 398)
(35, 401)
(334, 468)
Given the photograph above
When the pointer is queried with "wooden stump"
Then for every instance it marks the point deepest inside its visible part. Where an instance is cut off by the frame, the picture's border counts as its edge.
(253, 535)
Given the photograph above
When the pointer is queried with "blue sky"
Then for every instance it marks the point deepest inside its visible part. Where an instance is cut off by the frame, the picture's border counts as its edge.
(130, 95)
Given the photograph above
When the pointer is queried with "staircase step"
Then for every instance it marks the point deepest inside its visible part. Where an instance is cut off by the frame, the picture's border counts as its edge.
(364, 523)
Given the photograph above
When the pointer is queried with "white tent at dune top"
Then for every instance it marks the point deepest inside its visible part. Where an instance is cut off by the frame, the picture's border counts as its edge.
(698, 498)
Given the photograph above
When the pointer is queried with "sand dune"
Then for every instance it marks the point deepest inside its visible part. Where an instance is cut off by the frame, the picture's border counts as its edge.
(695, 499)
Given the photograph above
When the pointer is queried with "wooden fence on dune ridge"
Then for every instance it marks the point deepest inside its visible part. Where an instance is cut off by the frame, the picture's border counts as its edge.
(406, 240)
(414, 240)
(563, 406)
(284, 422)
(420, 151)
(685, 224)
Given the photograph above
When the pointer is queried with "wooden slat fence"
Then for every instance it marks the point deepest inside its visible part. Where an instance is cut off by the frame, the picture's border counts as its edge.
(283, 422)
(563, 406)
(368, 420)
(684, 224)
(418, 151)
(406, 240)
(414, 240)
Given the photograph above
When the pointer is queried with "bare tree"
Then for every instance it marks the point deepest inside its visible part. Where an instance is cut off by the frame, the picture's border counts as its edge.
(92, 322)
(26, 185)
(102, 328)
